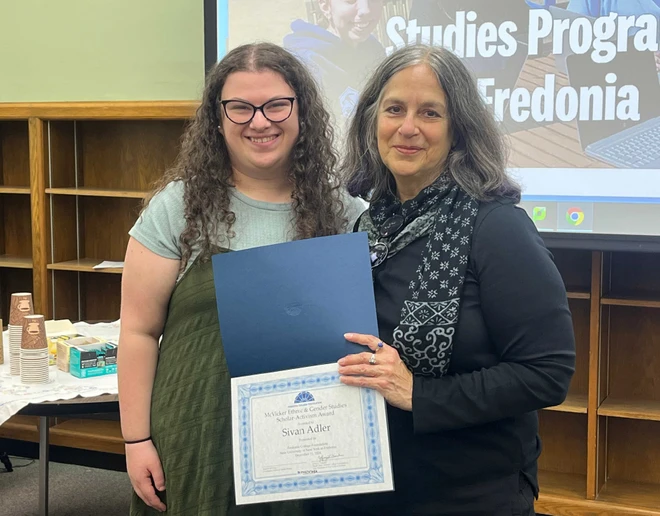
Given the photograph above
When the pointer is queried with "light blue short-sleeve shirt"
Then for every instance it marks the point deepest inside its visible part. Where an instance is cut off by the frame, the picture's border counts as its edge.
(257, 223)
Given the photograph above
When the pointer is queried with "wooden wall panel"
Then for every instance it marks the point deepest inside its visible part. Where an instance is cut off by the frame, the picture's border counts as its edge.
(580, 310)
(101, 296)
(14, 154)
(62, 156)
(634, 273)
(633, 449)
(12, 280)
(634, 354)
(112, 218)
(17, 222)
(65, 228)
(575, 268)
(66, 290)
(127, 155)
(564, 439)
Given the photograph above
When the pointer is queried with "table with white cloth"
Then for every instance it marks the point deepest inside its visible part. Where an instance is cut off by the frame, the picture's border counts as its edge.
(64, 394)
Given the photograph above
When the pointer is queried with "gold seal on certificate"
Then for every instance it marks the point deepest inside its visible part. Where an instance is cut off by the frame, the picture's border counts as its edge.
(301, 433)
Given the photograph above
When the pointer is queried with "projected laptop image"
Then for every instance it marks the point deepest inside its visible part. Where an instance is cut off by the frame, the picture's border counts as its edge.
(560, 13)
(623, 144)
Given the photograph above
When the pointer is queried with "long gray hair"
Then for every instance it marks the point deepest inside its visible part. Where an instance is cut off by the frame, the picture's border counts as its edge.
(477, 159)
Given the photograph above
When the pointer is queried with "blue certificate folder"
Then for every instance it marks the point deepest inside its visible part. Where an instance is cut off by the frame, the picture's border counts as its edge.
(288, 305)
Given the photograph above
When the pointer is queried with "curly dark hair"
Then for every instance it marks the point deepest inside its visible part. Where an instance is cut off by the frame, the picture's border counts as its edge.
(205, 168)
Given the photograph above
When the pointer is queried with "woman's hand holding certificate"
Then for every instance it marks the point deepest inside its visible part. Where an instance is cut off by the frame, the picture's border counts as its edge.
(382, 369)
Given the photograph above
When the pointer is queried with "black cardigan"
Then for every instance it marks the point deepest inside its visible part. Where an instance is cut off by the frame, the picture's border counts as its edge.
(473, 434)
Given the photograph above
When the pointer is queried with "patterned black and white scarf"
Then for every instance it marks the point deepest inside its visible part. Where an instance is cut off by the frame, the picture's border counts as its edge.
(429, 316)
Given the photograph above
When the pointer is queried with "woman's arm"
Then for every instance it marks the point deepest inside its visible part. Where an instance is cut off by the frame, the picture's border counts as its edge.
(524, 304)
(147, 284)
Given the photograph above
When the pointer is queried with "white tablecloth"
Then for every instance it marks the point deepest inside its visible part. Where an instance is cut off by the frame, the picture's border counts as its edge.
(15, 395)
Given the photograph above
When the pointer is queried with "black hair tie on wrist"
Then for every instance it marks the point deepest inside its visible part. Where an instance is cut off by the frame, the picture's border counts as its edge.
(138, 441)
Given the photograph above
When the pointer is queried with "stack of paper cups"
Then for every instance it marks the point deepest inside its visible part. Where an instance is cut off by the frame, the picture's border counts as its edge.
(20, 306)
(2, 347)
(34, 350)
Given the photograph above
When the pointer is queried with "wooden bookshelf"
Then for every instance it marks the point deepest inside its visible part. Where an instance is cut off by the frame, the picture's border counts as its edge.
(72, 180)
(15, 212)
(101, 167)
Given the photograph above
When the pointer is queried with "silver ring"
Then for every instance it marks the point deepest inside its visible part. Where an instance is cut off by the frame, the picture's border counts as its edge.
(372, 360)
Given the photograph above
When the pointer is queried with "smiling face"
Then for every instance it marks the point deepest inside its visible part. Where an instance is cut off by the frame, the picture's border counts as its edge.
(414, 132)
(352, 20)
(259, 148)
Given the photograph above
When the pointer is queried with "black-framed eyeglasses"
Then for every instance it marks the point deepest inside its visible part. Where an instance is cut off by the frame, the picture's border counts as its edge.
(275, 110)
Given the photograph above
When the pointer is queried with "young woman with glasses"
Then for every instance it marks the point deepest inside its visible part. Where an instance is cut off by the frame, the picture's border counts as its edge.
(256, 168)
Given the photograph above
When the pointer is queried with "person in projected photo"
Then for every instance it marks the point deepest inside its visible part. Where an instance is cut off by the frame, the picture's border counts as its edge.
(256, 168)
(341, 51)
(475, 331)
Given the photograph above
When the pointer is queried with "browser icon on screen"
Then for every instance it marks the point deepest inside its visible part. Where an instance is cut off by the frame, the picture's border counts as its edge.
(539, 213)
(574, 216)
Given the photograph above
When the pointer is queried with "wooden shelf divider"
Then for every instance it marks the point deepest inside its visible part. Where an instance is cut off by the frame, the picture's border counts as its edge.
(562, 506)
(82, 265)
(15, 262)
(129, 110)
(87, 434)
(636, 494)
(630, 409)
(24, 428)
(578, 294)
(39, 210)
(574, 403)
(564, 485)
(631, 300)
(595, 445)
(97, 192)
(21, 190)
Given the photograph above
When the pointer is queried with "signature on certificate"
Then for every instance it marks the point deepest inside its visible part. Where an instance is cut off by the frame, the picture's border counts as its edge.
(325, 458)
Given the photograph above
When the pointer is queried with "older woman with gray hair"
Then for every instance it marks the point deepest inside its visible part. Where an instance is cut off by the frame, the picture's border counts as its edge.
(475, 332)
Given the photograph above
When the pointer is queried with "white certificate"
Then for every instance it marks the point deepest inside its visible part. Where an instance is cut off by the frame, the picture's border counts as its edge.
(301, 433)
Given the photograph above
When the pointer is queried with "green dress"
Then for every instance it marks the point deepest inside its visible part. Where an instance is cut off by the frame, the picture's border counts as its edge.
(190, 410)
